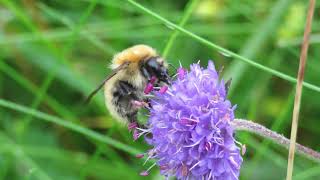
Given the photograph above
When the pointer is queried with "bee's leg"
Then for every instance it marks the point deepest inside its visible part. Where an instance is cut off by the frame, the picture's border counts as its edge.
(132, 117)
(122, 98)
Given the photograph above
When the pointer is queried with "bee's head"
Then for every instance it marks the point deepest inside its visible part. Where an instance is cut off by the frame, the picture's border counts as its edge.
(155, 66)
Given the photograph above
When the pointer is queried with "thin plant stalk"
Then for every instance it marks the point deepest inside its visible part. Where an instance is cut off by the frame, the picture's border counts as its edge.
(246, 125)
(69, 125)
(222, 50)
(297, 100)
(51, 74)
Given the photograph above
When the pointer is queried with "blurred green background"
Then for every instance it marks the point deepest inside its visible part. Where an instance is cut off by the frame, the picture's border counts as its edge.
(54, 52)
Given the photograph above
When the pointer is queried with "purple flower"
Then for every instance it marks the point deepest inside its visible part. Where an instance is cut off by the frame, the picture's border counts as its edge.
(190, 126)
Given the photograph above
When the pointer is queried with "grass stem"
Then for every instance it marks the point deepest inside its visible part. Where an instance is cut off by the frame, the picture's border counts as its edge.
(221, 49)
(297, 100)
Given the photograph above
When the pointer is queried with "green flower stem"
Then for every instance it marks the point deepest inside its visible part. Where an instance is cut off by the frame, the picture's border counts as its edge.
(189, 9)
(221, 49)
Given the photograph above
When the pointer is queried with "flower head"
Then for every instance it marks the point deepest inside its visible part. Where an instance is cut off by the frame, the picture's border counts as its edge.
(190, 126)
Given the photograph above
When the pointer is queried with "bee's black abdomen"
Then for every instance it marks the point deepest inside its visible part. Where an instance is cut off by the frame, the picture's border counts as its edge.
(123, 96)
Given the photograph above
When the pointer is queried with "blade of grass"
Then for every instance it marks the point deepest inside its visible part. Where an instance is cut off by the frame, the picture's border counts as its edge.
(58, 55)
(55, 54)
(280, 121)
(101, 148)
(27, 22)
(276, 126)
(254, 97)
(192, 4)
(122, 6)
(45, 85)
(308, 173)
(297, 100)
(256, 42)
(52, 103)
(99, 151)
(6, 163)
(32, 88)
(103, 31)
(23, 158)
(51, 74)
(69, 23)
(114, 4)
(66, 74)
(85, 170)
(39, 97)
(221, 49)
(79, 26)
(88, 35)
(69, 125)
(70, 160)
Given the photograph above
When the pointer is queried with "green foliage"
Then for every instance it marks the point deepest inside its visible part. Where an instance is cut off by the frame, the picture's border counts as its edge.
(53, 53)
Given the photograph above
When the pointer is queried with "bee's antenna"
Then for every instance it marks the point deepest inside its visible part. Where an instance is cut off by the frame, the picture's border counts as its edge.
(114, 72)
(96, 90)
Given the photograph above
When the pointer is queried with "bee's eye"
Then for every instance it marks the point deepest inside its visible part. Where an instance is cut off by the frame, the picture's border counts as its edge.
(152, 67)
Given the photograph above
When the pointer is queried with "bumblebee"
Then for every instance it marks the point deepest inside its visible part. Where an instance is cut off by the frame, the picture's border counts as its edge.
(132, 70)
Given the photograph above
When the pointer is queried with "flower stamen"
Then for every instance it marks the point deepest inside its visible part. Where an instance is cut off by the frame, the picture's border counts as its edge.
(163, 89)
(148, 88)
(153, 79)
(181, 73)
